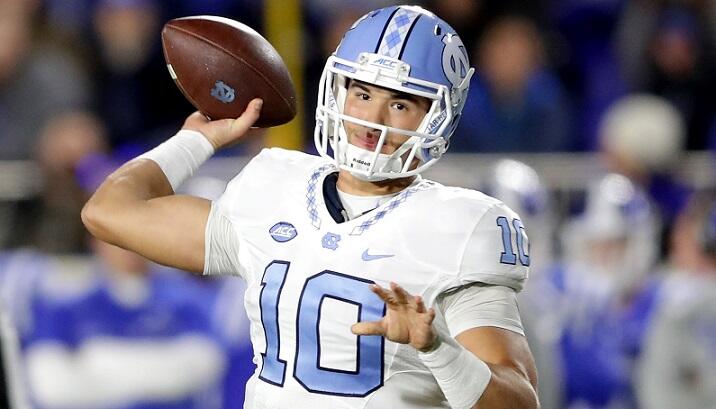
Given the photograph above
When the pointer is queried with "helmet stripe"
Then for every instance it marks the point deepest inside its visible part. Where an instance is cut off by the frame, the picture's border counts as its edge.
(393, 39)
(385, 28)
(407, 35)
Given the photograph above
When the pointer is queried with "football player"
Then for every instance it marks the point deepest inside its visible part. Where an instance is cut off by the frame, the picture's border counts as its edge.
(323, 241)
(605, 289)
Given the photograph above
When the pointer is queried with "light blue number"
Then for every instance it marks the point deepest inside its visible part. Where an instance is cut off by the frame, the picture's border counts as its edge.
(508, 256)
(273, 369)
(521, 239)
(368, 375)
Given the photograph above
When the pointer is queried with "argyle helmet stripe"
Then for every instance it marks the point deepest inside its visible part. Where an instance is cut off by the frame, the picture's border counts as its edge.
(396, 33)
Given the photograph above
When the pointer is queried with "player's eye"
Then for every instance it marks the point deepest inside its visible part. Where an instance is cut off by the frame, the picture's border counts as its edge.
(362, 96)
(400, 106)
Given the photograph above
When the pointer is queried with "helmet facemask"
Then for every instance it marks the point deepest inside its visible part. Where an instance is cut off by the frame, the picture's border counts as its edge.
(427, 143)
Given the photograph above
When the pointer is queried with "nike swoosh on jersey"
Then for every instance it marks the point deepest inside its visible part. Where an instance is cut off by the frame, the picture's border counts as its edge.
(369, 257)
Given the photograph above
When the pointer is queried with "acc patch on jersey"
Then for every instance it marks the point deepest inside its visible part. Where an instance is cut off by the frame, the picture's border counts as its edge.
(283, 232)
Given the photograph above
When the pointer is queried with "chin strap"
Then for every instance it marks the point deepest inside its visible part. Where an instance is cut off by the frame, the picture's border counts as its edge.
(359, 161)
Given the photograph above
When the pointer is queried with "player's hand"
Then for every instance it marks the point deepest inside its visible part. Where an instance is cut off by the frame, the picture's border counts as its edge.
(225, 132)
(406, 320)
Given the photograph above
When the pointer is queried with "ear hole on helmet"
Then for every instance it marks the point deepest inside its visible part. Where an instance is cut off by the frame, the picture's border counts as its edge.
(437, 30)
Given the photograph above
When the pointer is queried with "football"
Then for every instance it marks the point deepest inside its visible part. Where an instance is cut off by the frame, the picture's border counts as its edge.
(220, 65)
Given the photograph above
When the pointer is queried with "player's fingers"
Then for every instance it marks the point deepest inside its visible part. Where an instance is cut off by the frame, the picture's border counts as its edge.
(400, 294)
(419, 304)
(430, 316)
(243, 123)
(368, 328)
(384, 294)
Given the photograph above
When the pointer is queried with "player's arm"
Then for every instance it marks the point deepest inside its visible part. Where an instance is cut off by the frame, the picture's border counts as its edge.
(483, 366)
(487, 368)
(492, 342)
(513, 381)
(135, 208)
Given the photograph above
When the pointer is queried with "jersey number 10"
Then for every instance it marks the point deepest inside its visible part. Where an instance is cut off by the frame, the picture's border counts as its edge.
(307, 369)
(508, 256)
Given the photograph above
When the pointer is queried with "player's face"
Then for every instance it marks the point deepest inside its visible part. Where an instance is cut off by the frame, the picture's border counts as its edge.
(385, 107)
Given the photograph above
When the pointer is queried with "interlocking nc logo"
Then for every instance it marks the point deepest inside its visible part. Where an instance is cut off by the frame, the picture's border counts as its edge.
(330, 241)
(455, 64)
(223, 92)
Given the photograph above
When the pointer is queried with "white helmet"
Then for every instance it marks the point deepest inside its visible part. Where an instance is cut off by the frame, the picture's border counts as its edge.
(406, 49)
(618, 217)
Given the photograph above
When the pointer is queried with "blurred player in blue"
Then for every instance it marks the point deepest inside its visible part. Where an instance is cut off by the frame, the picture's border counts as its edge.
(605, 293)
(116, 333)
(323, 241)
(127, 337)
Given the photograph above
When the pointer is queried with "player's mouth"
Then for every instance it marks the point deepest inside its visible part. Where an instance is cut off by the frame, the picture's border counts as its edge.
(366, 140)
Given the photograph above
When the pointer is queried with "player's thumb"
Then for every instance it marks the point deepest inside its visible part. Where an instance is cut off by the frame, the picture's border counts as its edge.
(252, 112)
(367, 328)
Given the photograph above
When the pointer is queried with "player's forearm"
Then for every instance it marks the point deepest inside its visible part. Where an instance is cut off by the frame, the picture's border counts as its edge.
(487, 368)
(509, 388)
(468, 382)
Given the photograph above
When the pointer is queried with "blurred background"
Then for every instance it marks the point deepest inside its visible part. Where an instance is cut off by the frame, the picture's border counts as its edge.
(594, 119)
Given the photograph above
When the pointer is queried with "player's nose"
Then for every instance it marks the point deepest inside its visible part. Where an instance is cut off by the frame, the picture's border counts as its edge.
(376, 113)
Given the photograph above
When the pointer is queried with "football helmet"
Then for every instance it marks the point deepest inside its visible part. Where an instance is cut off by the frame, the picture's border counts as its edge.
(405, 49)
(617, 236)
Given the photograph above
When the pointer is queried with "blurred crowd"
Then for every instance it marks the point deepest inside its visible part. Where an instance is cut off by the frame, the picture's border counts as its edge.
(621, 305)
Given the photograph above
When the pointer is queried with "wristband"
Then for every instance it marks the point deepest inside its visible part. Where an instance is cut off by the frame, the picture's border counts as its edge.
(462, 376)
(181, 155)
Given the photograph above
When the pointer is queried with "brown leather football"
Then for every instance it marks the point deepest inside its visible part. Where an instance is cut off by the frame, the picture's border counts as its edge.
(220, 65)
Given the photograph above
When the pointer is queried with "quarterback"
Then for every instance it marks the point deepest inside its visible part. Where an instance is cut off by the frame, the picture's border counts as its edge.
(367, 285)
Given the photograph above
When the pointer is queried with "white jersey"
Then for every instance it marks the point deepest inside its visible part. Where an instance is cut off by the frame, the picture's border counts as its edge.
(308, 279)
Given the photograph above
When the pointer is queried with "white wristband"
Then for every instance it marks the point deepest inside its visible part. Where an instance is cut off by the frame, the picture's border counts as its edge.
(462, 376)
(181, 155)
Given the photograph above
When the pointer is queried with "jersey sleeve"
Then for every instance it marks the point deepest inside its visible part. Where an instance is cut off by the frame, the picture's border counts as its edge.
(497, 251)
(221, 237)
(221, 245)
(481, 305)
